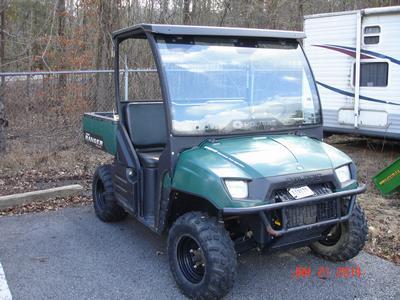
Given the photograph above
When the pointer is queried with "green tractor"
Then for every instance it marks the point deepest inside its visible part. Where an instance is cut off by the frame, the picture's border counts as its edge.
(231, 159)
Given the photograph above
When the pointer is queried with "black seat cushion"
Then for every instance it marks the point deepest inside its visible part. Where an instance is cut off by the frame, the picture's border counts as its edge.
(149, 159)
(146, 124)
(147, 129)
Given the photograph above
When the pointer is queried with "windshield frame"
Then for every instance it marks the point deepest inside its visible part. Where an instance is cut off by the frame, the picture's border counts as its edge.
(169, 106)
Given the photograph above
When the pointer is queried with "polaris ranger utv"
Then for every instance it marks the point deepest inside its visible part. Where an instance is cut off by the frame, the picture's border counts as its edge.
(230, 159)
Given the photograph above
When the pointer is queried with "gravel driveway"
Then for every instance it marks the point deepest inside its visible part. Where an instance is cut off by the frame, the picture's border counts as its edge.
(70, 254)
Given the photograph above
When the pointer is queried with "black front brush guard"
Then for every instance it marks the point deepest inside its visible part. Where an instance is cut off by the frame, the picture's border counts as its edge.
(262, 209)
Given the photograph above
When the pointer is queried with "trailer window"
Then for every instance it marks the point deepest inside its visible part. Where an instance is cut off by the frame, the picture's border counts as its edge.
(371, 35)
(372, 29)
(368, 40)
(373, 74)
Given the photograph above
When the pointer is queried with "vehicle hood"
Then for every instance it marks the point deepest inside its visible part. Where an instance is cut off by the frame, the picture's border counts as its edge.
(256, 157)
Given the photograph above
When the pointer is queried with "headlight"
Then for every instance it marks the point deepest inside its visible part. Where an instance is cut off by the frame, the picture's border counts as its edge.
(343, 174)
(237, 188)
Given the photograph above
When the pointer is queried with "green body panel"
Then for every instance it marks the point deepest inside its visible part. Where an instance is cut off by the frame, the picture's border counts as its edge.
(201, 170)
(388, 180)
(100, 130)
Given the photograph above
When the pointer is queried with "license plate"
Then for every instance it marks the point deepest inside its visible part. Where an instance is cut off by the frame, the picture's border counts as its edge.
(301, 192)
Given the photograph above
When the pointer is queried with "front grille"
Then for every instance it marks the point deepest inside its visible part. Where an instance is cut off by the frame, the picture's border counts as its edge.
(308, 214)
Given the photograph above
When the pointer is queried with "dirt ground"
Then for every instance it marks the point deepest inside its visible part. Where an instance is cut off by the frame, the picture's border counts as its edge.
(383, 213)
(76, 165)
(21, 173)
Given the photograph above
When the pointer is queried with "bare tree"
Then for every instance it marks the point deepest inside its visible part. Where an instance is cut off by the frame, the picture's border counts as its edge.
(103, 57)
(61, 14)
(87, 25)
(193, 13)
(226, 8)
(186, 12)
(300, 14)
(3, 120)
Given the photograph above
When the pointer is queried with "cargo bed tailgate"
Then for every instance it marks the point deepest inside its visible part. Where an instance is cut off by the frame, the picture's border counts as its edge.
(99, 129)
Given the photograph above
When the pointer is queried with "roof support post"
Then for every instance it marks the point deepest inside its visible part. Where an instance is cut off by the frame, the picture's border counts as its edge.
(126, 77)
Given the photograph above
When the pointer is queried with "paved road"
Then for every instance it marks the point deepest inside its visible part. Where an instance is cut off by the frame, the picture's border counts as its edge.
(69, 254)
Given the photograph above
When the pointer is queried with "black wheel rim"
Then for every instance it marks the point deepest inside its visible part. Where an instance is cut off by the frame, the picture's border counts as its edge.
(191, 259)
(100, 193)
(332, 236)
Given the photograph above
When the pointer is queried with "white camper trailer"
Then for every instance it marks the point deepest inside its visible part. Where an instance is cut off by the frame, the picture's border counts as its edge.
(355, 57)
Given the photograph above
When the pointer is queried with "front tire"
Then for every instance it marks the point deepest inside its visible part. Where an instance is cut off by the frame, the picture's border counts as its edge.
(201, 256)
(345, 240)
(104, 202)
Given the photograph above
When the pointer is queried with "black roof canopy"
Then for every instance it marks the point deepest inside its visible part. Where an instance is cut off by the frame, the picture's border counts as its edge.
(138, 31)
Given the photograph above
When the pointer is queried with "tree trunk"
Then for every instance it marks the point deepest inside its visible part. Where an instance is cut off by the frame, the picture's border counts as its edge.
(193, 13)
(300, 12)
(103, 57)
(62, 78)
(164, 11)
(186, 12)
(3, 120)
(226, 5)
(61, 15)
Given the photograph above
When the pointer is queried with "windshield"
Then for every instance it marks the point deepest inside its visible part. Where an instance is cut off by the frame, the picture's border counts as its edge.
(227, 85)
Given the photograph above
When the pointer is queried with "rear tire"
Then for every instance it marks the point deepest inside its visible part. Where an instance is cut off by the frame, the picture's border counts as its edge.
(345, 240)
(105, 204)
(201, 256)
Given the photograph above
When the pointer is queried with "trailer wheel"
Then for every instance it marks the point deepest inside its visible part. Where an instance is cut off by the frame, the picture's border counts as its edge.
(105, 205)
(345, 240)
(201, 256)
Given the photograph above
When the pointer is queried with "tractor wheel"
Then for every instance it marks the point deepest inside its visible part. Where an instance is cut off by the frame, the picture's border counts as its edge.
(201, 256)
(105, 205)
(344, 240)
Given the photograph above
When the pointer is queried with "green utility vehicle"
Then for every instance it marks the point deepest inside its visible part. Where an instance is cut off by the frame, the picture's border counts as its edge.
(231, 159)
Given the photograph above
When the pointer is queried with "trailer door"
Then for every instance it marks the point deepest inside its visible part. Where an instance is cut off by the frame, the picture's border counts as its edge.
(331, 46)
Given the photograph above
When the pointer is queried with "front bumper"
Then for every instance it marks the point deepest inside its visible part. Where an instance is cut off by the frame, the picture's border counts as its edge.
(262, 209)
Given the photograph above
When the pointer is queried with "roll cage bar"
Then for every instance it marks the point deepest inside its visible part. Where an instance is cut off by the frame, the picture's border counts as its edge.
(147, 31)
(176, 143)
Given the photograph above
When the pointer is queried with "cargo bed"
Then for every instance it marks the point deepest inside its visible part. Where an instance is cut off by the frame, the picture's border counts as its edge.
(99, 129)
